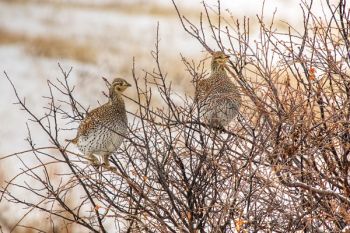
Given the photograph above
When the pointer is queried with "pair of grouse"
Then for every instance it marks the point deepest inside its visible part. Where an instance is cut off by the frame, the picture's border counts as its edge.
(104, 128)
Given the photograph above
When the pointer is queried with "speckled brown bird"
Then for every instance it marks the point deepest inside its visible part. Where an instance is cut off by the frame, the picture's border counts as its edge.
(104, 128)
(217, 96)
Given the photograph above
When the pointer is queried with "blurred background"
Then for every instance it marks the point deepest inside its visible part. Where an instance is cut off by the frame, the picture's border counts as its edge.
(97, 38)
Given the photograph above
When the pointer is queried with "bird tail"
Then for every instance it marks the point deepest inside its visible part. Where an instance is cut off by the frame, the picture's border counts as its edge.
(74, 140)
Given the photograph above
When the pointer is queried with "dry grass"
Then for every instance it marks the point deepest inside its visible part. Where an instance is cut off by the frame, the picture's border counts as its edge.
(51, 47)
(135, 8)
(10, 37)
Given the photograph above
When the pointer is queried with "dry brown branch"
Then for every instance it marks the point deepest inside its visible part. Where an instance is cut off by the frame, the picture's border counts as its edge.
(282, 166)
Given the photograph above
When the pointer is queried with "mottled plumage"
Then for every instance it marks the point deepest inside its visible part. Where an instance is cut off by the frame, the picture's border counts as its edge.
(104, 128)
(217, 96)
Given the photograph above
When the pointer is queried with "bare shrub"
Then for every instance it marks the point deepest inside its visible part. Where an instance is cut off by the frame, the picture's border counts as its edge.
(282, 166)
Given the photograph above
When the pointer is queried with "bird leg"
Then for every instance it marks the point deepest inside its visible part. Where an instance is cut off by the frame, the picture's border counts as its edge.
(216, 125)
(106, 163)
(105, 160)
(93, 160)
(220, 128)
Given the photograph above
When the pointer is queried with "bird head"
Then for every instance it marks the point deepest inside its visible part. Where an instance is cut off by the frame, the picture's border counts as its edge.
(219, 60)
(120, 85)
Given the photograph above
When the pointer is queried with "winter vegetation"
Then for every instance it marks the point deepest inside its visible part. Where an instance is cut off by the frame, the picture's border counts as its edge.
(282, 166)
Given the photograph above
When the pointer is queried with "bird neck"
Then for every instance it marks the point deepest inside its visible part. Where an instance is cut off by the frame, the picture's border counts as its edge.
(115, 97)
(217, 68)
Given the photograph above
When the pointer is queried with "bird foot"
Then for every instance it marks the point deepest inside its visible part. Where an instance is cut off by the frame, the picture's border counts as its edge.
(108, 167)
(94, 162)
(219, 128)
(105, 163)
(96, 165)
(112, 169)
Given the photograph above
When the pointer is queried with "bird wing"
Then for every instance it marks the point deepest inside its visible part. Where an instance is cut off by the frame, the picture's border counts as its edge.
(90, 121)
(201, 90)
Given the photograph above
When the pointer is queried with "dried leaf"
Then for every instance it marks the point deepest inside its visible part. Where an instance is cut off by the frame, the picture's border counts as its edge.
(239, 224)
(97, 207)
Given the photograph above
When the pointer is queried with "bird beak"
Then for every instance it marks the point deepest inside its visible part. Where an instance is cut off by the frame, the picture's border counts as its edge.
(226, 58)
(128, 84)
